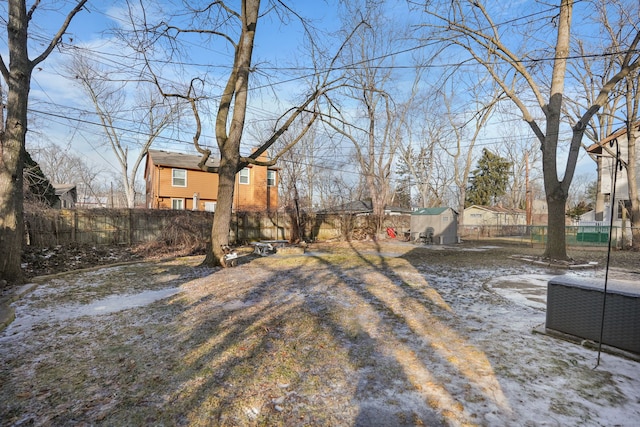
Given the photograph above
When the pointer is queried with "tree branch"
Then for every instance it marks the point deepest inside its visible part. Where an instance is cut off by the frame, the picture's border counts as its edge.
(56, 39)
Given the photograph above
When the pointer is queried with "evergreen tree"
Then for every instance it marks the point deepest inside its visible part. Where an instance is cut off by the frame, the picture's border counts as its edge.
(489, 180)
(402, 193)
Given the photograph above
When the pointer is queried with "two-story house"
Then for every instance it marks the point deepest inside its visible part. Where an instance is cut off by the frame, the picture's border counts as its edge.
(174, 181)
(604, 153)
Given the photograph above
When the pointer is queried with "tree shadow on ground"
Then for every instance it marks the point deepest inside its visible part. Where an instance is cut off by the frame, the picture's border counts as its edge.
(346, 336)
(356, 329)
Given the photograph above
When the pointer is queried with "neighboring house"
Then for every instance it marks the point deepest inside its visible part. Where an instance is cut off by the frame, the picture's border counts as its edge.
(604, 153)
(174, 181)
(539, 212)
(435, 225)
(363, 207)
(588, 217)
(67, 196)
(494, 216)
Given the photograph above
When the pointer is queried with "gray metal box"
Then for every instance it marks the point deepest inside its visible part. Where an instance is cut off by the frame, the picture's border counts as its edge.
(574, 307)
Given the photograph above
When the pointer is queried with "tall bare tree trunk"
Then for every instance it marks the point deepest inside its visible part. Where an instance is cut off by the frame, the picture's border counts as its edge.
(12, 144)
(229, 143)
(224, 208)
(632, 181)
(557, 191)
(12, 140)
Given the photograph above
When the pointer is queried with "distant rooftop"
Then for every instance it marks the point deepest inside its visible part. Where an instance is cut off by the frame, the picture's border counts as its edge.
(429, 211)
(61, 189)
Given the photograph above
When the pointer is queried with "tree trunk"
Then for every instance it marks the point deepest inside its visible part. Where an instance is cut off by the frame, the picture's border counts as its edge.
(378, 202)
(229, 142)
(11, 182)
(635, 225)
(224, 209)
(557, 191)
(131, 198)
(12, 138)
(556, 238)
(632, 182)
(12, 143)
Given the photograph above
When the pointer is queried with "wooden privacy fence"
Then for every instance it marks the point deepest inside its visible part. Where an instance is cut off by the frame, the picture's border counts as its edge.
(109, 226)
(133, 226)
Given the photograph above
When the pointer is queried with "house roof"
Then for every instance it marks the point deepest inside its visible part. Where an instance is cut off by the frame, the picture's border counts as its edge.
(356, 206)
(61, 189)
(361, 206)
(499, 209)
(429, 211)
(185, 161)
(180, 160)
(596, 148)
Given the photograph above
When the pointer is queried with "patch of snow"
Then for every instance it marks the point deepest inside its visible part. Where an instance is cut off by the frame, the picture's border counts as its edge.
(237, 305)
(27, 317)
(479, 248)
(524, 289)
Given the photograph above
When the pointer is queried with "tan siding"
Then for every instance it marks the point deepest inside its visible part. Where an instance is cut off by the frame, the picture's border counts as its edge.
(255, 196)
(203, 183)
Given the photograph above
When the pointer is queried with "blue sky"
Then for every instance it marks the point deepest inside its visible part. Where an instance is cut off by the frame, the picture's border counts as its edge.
(278, 45)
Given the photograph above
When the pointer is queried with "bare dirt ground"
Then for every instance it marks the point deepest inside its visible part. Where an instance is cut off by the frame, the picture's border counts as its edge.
(360, 334)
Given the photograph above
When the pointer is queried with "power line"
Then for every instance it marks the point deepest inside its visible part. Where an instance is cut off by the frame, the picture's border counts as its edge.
(350, 66)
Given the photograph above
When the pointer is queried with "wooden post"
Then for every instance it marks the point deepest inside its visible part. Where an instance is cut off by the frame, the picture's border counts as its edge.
(528, 194)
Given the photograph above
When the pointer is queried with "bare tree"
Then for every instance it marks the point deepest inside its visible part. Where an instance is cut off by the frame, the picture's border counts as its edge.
(523, 155)
(469, 25)
(150, 115)
(465, 136)
(17, 76)
(371, 118)
(632, 105)
(615, 18)
(298, 178)
(236, 25)
(426, 171)
(62, 166)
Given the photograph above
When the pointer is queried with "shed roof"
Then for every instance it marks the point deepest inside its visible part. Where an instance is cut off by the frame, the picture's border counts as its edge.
(429, 211)
(61, 189)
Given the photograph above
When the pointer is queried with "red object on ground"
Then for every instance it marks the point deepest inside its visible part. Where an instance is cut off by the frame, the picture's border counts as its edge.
(391, 232)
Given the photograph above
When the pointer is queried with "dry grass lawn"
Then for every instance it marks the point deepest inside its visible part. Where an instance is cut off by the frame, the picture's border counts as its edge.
(347, 334)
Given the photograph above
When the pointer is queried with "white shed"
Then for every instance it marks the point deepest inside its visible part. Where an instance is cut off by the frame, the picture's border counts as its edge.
(435, 225)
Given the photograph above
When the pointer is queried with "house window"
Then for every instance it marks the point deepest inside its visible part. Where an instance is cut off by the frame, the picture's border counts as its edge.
(476, 215)
(624, 205)
(244, 176)
(177, 204)
(178, 177)
(271, 178)
(210, 206)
